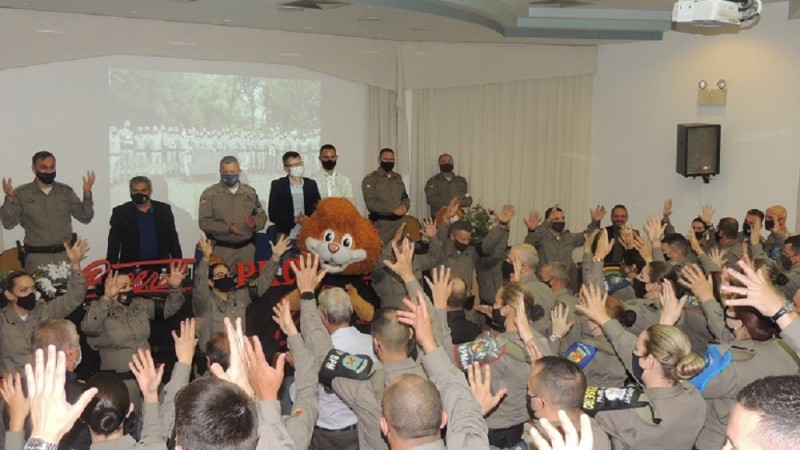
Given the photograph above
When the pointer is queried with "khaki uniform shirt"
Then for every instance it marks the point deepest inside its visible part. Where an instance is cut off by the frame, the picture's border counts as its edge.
(439, 191)
(211, 310)
(542, 296)
(219, 208)
(46, 218)
(464, 263)
(152, 434)
(508, 372)
(791, 334)
(558, 248)
(17, 333)
(389, 287)
(384, 192)
(117, 331)
(681, 408)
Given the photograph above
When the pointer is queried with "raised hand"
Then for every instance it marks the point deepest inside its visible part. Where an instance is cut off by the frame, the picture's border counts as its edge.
(419, 318)
(480, 383)
(76, 252)
(265, 379)
(237, 367)
(283, 317)
(667, 211)
(521, 321)
(186, 342)
(147, 375)
(533, 220)
(206, 248)
(757, 292)
(428, 227)
(307, 273)
(707, 214)
(280, 247)
(177, 272)
(88, 182)
(398, 234)
(597, 213)
(671, 307)
(570, 440)
(441, 286)
(517, 275)
(588, 240)
(701, 285)
(505, 215)
(559, 316)
(16, 402)
(8, 187)
(654, 228)
(695, 243)
(403, 264)
(51, 415)
(644, 247)
(593, 303)
(627, 237)
(112, 285)
(604, 245)
(716, 255)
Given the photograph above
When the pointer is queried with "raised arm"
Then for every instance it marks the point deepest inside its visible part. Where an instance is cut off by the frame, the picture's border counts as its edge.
(63, 306)
(264, 280)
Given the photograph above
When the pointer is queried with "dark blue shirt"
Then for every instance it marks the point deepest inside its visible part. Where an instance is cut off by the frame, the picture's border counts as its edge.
(148, 240)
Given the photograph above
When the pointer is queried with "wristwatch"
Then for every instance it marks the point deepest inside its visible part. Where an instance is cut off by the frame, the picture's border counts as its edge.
(788, 306)
(38, 444)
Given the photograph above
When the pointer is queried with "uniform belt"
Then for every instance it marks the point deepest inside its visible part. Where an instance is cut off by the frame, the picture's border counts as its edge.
(233, 244)
(46, 249)
(351, 427)
(375, 216)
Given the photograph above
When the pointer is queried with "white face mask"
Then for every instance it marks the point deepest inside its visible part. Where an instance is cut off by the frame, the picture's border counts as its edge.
(296, 171)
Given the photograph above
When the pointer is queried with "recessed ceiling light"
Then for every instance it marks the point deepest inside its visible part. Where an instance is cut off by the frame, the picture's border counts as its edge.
(49, 31)
(422, 29)
(370, 19)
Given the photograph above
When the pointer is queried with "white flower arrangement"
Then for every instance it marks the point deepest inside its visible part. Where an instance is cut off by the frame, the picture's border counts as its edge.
(51, 280)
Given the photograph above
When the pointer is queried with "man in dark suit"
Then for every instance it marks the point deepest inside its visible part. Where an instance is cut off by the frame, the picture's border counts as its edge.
(292, 198)
(142, 229)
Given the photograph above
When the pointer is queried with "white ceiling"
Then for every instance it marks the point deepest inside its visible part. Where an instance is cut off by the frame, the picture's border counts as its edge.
(484, 21)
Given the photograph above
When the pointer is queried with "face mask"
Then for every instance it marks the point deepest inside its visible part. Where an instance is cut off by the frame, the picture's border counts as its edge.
(296, 171)
(699, 235)
(28, 302)
(769, 224)
(636, 366)
(421, 248)
(718, 236)
(230, 180)
(224, 284)
(639, 288)
(46, 178)
(387, 166)
(508, 269)
(446, 168)
(786, 262)
(125, 298)
(460, 246)
(139, 198)
(558, 226)
(328, 164)
(498, 320)
(746, 229)
(667, 257)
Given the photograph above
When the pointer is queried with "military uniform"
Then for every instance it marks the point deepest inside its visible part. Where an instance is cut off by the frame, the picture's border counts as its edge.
(45, 219)
(559, 248)
(383, 193)
(17, 333)
(681, 408)
(791, 335)
(439, 191)
(152, 434)
(219, 208)
(211, 310)
(600, 439)
(389, 287)
(542, 296)
(488, 252)
(751, 361)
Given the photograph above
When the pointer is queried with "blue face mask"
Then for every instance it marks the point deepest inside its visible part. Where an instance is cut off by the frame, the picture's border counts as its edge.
(230, 179)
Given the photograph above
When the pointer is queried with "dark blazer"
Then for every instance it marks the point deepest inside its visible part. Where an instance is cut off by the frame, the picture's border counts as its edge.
(123, 237)
(281, 205)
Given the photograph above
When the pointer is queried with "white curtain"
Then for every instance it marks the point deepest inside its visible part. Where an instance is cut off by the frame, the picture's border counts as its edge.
(526, 143)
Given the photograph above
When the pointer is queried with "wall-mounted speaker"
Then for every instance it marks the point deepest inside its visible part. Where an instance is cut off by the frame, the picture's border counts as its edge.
(698, 149)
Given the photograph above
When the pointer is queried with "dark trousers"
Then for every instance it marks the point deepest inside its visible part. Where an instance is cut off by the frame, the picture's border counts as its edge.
(323, 439)
(505, 437)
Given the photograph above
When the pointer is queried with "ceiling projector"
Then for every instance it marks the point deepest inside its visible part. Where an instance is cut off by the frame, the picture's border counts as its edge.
(716, 13)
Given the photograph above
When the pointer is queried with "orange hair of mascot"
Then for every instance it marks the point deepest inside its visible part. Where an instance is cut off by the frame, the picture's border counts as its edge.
(346, 242)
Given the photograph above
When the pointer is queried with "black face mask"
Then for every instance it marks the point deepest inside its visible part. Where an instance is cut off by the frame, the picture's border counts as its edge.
(699, 235)
(28, 302)
(508, 269)
(718, 236)
(46, 178)
(769, 224)
(786, 262)
(421, 248)
(558, 226)
(328, 164)
(498, 320)
(746, 228)
(667, 257)
(139, 198)
(446, 168)
(387, 166)
(636, 367)
(639, 288)
(460, 246)
(224, 284)
(125, 298)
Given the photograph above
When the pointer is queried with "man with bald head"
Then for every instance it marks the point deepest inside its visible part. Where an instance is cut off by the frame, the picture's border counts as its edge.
(461, 329)
(775, 223)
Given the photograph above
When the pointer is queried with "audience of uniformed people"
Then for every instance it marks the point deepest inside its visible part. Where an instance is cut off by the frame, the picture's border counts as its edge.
(674, 342)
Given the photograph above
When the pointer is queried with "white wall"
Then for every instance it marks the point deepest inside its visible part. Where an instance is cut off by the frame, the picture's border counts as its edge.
(642, 90)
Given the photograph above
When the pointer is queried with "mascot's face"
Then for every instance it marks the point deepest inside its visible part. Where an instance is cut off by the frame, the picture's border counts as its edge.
(335, 252)
(345, 241)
